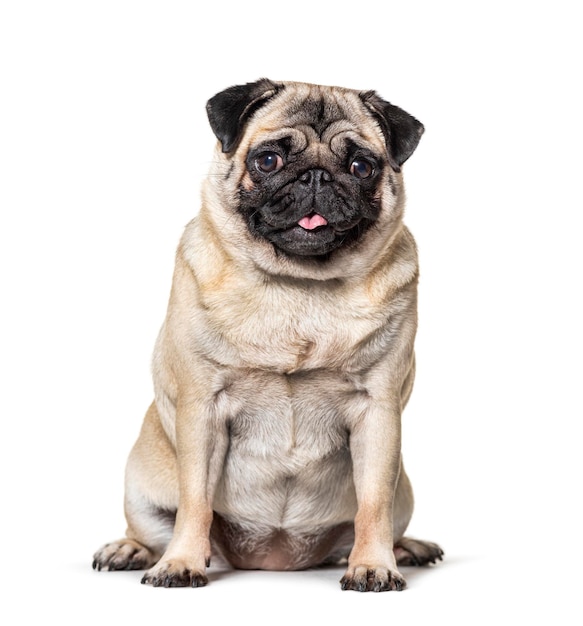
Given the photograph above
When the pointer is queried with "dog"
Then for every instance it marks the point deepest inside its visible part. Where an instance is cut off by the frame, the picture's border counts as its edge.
(286, 356)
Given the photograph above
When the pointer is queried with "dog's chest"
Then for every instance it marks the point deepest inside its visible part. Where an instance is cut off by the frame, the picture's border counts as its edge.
(287, 331)
(288, 415)
(288, 459)
(295, 363)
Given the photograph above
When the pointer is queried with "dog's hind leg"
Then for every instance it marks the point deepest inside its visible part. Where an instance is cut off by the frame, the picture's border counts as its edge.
(124, 554)
(410, 551)
(151, 498)
(149, 531)
(416, 552)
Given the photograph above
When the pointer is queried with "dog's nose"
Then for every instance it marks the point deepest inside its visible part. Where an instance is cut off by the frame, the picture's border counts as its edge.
(315, 177)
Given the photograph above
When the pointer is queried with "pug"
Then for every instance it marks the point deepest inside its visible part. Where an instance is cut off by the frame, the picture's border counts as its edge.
(286, 357)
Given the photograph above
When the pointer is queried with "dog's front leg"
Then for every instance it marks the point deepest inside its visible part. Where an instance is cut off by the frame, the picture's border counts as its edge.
(375, 446)
(201, 444)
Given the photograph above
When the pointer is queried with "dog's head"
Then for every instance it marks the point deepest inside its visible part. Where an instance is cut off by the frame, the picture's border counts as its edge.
(311, 170)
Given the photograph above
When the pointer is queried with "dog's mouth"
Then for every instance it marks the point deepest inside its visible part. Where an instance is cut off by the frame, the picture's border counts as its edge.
(313, 235)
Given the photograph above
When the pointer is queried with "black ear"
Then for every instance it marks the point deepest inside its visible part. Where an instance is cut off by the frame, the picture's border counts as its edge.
(402, 131)
(230, 109)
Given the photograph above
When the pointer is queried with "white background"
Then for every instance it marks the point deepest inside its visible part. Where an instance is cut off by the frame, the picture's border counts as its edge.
(103, 145)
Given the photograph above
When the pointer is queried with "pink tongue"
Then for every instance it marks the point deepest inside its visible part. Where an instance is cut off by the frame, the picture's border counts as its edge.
(312, 221)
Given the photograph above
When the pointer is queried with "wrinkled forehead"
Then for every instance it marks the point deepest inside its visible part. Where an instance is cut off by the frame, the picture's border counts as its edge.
(308, 115)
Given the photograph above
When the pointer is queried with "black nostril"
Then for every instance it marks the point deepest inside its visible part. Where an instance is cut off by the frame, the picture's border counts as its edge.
(316, 177)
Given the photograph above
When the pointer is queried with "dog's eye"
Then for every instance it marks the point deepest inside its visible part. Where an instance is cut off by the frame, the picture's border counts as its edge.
(269, 162)
(361, 168)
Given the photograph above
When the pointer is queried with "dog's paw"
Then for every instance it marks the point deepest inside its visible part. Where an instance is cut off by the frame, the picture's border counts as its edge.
(362, 578)
(174, 573)
(415, 552)
(125, 554)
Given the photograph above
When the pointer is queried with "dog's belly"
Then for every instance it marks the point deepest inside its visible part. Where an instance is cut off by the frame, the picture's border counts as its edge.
(247, 547)
(286, 496)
